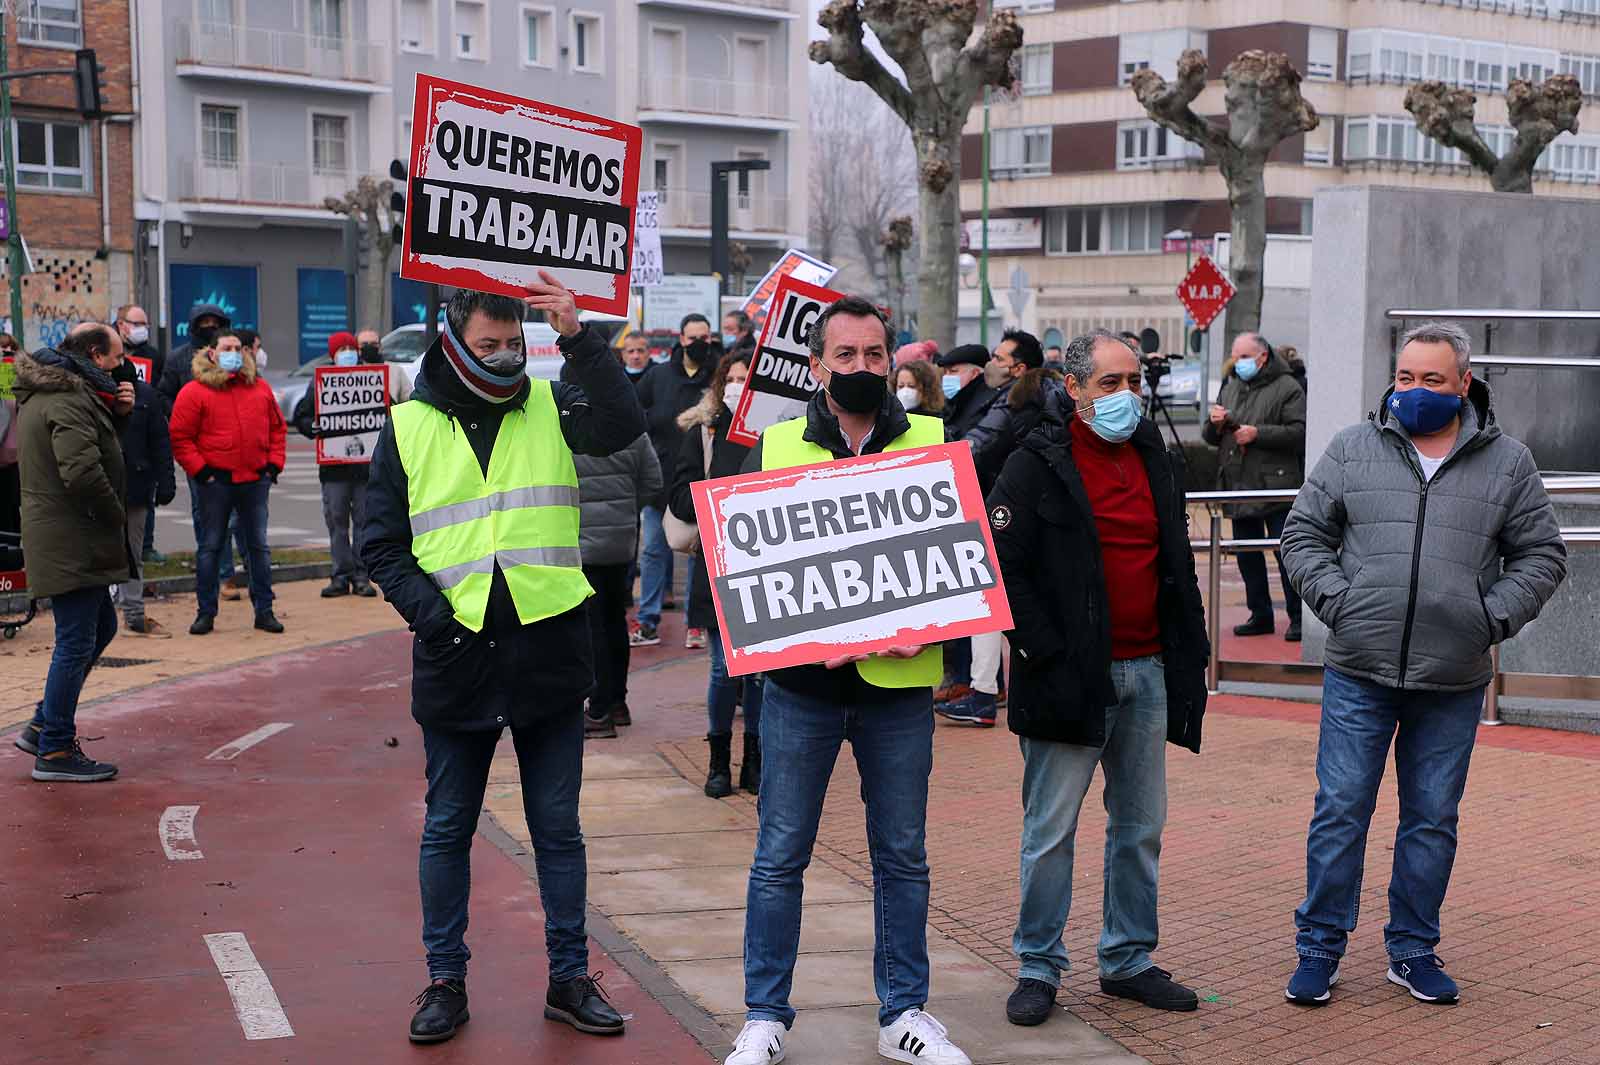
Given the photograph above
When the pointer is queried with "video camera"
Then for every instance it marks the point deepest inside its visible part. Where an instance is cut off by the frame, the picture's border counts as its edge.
(1156, 365)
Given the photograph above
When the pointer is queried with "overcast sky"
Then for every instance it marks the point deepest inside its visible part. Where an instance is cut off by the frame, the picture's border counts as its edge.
(817, 33)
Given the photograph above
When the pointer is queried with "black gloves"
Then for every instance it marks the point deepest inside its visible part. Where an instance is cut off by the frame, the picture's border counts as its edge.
(270, 471)
(208, 474)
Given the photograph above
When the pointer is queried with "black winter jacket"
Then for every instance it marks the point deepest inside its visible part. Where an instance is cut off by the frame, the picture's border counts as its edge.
(1045, 535)
(147, 449)
(1015, 413)
(727, 459)
(510, 673)
(147, 350)
(967, 408)
(180, 361)
(666, 391)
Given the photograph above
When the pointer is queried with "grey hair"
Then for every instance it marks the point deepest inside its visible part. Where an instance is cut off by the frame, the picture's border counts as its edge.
(855, 307)
(1079, 353)
(1443, 333)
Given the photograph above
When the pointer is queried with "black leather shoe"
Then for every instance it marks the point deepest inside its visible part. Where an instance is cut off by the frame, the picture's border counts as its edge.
(1155, 988)
(267, 621)
(203, 623)
(1292, 633)
(364, 589)
(444, 1009)
(581, 1003)
(335, 589)
(1254, 627)
(1031, 1003)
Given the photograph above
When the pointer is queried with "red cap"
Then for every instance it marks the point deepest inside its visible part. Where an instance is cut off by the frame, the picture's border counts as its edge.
(341, 340)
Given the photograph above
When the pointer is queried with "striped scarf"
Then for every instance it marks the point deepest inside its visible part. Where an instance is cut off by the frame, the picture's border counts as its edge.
(483, 382)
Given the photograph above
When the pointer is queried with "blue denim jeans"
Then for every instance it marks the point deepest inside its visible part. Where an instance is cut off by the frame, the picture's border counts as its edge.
(722, 693)
(197, 517)
(1433, 734)
(1055, 779)
(550, 763)
(86, 621)
(219, 502)
(893, 746)
(655, 567)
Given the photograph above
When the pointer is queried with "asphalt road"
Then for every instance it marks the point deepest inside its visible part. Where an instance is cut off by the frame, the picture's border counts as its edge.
(294, 508)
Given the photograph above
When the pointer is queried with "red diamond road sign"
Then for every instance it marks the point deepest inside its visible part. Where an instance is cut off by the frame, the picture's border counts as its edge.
(1204, 291)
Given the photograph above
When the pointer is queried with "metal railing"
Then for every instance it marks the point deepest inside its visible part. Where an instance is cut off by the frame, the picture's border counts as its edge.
(691, 209)
(713, 96)
(1218, 669)
(233, 46)
(259, 184)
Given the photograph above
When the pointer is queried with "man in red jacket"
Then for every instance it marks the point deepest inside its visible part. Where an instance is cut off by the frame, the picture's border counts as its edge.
(228, 435)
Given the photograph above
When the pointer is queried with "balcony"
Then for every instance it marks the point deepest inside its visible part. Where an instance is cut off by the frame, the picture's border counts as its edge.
(267, 189)
(777, 10)
(757, 213)
(281, 57)
(714, 102)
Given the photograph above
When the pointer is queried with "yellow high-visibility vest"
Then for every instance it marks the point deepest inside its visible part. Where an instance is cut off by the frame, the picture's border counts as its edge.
(523, 515)
(783, 445)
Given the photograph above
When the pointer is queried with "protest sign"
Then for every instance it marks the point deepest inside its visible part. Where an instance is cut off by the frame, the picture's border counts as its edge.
(350, 406)
(849, 557)
(678, 295)
(792, 263)
(502, 187)
(647, 262)
(780, 382)
(142, 367)
(8, 378)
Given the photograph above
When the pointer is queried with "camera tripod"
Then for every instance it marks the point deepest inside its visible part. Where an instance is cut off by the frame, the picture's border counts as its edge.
(1154, 370)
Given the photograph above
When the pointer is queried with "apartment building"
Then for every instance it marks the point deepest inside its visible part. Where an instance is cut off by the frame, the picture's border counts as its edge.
(74, 177)
(1091, 199)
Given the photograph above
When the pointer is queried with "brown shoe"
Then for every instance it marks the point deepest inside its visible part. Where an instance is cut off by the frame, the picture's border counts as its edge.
(951, 693)
(148, 627)
(230, 593)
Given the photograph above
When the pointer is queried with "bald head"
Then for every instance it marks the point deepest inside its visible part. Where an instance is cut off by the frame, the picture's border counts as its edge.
(100, 344)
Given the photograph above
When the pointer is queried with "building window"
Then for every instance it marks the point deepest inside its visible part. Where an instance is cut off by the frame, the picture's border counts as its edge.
(587, 45)
(1158, 49)
(1319, 144)
(219, 135)
(327, 21)
(1019, 152)
(416, 26)
(1030, 6)
(538, 37)
(330, 144)
(1395, 139)
(1484, 66)
(51, 155)
(471, 30)
(1586, 68)
(1322, 54)
(1124, 229)
(1037, 69)
(1142, 145)
(57, 22)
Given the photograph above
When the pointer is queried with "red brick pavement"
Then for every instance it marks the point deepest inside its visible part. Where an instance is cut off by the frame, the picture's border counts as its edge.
(1521, 931)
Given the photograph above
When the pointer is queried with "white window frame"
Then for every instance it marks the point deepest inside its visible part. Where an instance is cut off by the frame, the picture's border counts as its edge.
(1319, 153)
(429, 45)
(343, 36)
(680, 156)
(597, 47)
(24, 6)
(1046, 53)
(200, 104)
(1151, 48)
(547, 25)
(483, 54)
(312, 114)
(86, 160)
(1161, 144)
(1322, 63)
(1000, 163)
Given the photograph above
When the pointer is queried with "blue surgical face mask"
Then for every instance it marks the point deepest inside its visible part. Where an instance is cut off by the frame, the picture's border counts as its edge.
(729, 340)
(346, 357)
(1423, 411)
(1115, 416)
(231, 361)
(951, 383)
(1247, 368)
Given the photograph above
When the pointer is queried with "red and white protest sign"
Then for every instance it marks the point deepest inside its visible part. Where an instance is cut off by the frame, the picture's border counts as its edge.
(142, 367)
(502, 187)
(849, 557)
(1204, 291)
(780, 382)
(792, 263)
(350, 407)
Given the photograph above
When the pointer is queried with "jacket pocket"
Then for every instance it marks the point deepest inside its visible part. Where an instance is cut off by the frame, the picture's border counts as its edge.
(1490, 626)
(1276, 475)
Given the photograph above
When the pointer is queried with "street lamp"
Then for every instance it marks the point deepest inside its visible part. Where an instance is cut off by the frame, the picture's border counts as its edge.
(719, 210)
(968, 265)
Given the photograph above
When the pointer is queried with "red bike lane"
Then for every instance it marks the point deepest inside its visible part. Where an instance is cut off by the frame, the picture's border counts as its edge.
(308, 853)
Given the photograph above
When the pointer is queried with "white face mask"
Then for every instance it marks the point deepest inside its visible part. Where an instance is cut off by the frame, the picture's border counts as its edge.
(908, 397)
(138, 334)
(731, 393)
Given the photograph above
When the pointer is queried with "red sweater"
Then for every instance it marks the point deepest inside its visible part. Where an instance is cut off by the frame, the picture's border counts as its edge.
(1125, 517)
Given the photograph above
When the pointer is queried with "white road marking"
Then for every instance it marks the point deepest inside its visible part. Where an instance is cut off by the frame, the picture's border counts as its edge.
(177, 834)
(287, 530)
(229, 751)
(254, 1002)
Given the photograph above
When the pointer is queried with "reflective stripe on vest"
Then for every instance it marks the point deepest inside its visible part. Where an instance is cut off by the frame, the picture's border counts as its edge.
(522, 515)
(784, 445)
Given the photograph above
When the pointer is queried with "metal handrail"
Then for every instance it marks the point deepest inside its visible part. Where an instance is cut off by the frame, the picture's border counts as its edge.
(1583, 362)
(1504, 312)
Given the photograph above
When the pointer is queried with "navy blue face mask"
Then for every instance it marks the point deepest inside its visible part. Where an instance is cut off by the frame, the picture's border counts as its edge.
(1423, 411)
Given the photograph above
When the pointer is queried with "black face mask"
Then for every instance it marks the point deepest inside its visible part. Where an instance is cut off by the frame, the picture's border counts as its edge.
(699, 351)
(125, 373)
(204, 336)
(371, 353)
(860, 392)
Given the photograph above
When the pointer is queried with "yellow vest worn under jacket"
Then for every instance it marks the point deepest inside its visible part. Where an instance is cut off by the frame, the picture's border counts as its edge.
(523, 514)
(784, 445)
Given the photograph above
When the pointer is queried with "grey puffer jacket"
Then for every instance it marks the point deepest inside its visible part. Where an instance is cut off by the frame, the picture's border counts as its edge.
(611, 489)
(1416, 580)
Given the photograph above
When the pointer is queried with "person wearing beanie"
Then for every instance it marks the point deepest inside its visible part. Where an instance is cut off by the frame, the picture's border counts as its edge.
(344, 484)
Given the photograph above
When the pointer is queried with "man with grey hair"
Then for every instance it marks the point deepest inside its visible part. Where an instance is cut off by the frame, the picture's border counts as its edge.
(1108, 655)
(1422, 538)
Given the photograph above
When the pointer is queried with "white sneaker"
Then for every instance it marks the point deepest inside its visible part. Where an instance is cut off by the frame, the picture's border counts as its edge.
(759, 1043)
(917, 1038)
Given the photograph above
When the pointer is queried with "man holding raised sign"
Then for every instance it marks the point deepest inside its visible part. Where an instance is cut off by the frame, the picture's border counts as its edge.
(882, 703)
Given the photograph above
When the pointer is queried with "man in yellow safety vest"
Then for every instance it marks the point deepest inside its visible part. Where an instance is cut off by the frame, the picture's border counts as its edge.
(472, 533)
(883, 704)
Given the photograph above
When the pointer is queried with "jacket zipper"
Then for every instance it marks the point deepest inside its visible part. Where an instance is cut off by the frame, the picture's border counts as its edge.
(1416, 569)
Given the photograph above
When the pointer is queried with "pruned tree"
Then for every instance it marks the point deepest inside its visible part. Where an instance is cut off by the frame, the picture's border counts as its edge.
(1261, 94)
(945, 69)
(368, 204)
(1539, 114)
(896, 241)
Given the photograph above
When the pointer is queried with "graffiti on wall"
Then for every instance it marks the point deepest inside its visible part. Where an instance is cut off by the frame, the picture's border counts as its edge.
(65, 288)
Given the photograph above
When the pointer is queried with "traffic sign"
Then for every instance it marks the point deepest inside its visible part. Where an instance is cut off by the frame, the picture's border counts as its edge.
(1204, 291)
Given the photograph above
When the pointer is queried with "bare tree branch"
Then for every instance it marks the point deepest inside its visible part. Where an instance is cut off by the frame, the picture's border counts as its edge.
(846, 49)
(1447, 116)
(1168, 104)
(368, 204)
(1539, 114)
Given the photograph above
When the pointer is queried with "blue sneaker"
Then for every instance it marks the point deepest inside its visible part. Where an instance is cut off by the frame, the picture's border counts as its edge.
(976, 709)
(1424, 977)
(1310, 984)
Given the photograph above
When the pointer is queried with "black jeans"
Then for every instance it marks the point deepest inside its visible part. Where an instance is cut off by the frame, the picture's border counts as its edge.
(608, 631)
(1253, 567)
